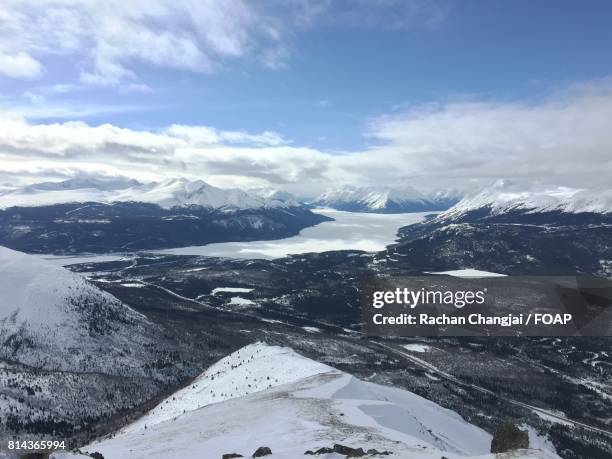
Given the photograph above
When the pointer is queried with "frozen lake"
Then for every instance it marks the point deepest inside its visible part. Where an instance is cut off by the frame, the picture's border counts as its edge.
(349, 230)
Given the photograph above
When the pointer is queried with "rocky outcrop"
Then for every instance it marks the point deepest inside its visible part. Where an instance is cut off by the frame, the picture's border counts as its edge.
(508, 437)
(347, 451)
(262, 451)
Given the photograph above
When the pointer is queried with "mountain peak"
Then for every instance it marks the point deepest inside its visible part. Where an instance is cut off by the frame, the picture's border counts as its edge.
(503, 196)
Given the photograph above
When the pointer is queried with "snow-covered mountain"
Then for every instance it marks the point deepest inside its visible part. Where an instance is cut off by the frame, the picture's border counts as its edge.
(274, 194)
(518, 229)
(51, 318)
(180, 193)
(505, 196)
(167, 194)
(384, 200)
(271, 396)
(71, 354)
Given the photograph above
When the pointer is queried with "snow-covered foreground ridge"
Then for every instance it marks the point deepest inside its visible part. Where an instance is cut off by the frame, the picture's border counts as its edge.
(270, 396)
(166, 194)
(251, 369)
(506, 196)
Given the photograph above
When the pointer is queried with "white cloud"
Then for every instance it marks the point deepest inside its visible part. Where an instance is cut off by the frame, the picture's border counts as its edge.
(206, 135)
(19, 65)
(108, 39)
(33, 98)
(38, 108)
(193, 151)
(565, 140)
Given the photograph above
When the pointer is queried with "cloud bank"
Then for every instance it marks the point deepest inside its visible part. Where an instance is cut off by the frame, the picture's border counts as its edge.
(564, 139)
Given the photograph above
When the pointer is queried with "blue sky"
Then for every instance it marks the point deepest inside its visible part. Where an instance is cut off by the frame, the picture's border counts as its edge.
(323, 75)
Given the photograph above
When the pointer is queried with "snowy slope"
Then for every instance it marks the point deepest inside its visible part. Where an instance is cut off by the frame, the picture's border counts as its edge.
(303, 406)
(251, 369)
(54, 319)
(380, 199)
(167, 194)
(505, 196)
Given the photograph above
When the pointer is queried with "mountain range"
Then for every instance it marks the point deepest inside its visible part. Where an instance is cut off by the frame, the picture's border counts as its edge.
(385, 199)
(167, 194)
(93, 214)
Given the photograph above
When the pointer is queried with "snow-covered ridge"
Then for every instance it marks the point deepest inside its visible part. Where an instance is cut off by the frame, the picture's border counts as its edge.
(35, 292)
(55, 319)
(375, 199)
(271, 396)
(167, 194)
(505, 196)
(251, 369)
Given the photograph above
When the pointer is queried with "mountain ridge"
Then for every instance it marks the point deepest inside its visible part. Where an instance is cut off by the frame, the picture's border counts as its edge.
(52, 318)
(292, 404)
(384, 199)
(167, 194)
(74, 356)
(507, 197)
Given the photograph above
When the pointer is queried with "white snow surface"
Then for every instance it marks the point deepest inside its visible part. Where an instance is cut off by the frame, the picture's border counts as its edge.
(304, 406)
(251, 369)
(230, 290)
(468, 273)
(505, 196)
(167, 194)
(239, 301)
(416, 347)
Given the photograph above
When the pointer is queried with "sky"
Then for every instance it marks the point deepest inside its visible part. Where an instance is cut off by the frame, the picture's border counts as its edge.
(307, 94)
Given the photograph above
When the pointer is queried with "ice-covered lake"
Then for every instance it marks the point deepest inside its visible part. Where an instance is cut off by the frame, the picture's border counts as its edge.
(349, 230)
